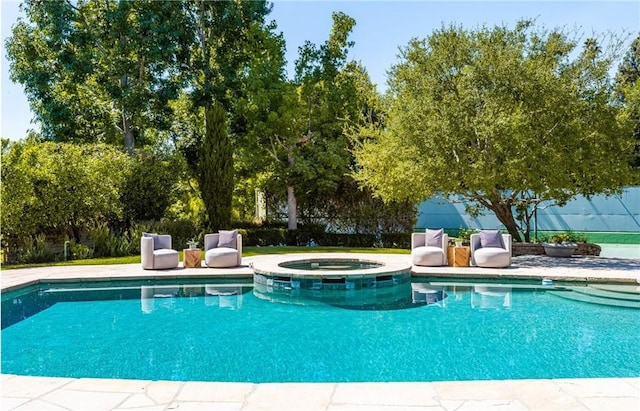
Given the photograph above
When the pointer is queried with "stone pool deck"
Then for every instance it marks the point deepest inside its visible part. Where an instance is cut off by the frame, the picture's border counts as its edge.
(44, 393)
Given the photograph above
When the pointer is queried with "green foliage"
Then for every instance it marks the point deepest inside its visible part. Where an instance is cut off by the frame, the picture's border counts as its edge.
(59, 188)
(107, 243)
(566, 237)
(100, 71)
(181, 232)
(35, 250)
(215, 169)
(229, 44)
(464, 234)
(150, 186)
(80, 251)
(629, 93)
(503, 118)
(189, 205)
(302, 153)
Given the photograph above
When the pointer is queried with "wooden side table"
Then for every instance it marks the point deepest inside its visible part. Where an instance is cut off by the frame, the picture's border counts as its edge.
(458, 256)
(192, 258)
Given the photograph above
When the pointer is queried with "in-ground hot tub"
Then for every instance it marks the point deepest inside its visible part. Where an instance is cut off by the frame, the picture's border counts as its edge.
(341, 271)
(340, 278)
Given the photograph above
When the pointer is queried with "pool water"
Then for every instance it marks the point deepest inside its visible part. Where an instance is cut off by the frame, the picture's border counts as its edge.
(224, 332)
(330, 264)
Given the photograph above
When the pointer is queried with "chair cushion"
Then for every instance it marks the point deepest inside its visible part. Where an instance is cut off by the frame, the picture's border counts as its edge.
(433, 238)
(427, 256)
(165, 258)
(492, 257)
(491, 239)
(221, 257)
(228, 239)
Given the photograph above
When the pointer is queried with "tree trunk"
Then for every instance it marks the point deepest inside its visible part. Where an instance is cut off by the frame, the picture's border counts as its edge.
(292, 204)
(75, 230)
(127, 132)
(292, 208)
(505, 215)
(129, 138)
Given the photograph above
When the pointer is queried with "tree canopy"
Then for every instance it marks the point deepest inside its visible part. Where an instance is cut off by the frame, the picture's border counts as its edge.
(100, 71)
(502, 118)
(629, 92)
(59, 186)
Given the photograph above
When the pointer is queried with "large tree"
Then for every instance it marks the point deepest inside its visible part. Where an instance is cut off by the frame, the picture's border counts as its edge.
(629, 92)
(100, 71)
(303, 135)
(228, 36)
(502, 118)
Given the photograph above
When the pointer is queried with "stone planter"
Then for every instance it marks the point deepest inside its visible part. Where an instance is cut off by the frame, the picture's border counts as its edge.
(519, 249)
(564, 250)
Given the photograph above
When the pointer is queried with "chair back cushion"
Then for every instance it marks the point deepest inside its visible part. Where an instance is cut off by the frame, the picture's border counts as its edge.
(433, 238)
(491, 238)
(164, 242)
(228, 239)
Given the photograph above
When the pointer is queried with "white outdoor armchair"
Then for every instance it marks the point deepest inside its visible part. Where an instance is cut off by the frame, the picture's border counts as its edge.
(429, 248)
(223, 249)
(156, 252)
(491, 249)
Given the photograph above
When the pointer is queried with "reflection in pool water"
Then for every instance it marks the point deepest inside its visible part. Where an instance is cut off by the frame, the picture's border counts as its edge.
(395, 297)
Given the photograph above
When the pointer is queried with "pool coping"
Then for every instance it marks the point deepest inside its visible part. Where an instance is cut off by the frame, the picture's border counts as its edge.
(591, 394)
(583, 269)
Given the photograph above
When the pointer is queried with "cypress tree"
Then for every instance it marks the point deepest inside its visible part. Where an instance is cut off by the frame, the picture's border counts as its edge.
(216, 168)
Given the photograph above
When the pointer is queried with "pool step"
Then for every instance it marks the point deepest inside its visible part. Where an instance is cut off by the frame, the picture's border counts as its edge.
(628, 298)
(607, 293)
(618, 288)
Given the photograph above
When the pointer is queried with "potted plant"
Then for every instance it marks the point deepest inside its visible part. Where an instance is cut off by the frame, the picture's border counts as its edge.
(464, 236)
(560, 245)
(193, 244)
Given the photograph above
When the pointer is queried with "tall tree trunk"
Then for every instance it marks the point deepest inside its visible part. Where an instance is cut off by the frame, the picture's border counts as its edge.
(292, 208)
(129, 137)
(216, 168)
(292, 203)
(127, 132)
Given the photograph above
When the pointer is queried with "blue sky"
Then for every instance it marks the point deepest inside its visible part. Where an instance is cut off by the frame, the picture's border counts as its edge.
(382, 27)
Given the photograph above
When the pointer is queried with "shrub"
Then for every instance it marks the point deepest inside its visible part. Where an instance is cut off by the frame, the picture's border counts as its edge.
(106, 243)
(566, 237)
(264, 236)
(35, 250)
(396, 240)
(80, 251)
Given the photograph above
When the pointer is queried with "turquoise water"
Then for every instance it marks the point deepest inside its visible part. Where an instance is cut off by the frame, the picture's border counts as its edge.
(226, 333)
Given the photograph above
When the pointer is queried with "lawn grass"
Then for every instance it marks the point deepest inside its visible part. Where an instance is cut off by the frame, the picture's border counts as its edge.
(246, 252)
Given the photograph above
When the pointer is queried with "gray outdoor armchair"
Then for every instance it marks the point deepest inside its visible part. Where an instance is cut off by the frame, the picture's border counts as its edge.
(223, 249)
(156, 252)
(491, 249)
(429, 248)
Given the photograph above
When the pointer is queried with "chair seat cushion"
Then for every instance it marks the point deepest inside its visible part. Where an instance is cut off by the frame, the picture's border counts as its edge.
(221, 257)
(165, 258)
(427, 255)
(492, 257)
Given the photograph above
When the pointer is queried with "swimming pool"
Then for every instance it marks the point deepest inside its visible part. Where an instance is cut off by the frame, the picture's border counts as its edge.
(223, 331)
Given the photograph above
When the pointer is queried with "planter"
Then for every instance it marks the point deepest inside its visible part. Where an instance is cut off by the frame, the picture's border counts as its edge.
(564, 250)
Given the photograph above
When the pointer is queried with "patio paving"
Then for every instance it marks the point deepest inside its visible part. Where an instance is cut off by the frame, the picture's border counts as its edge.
(44, 393)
